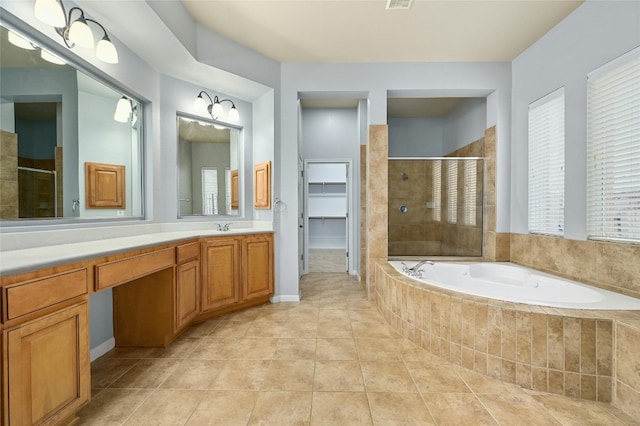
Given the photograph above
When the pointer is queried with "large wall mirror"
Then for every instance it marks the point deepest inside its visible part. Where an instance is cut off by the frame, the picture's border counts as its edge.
(209, 175)
(55, 121)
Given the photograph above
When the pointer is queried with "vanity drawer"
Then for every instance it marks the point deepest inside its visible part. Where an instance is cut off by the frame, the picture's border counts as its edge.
(187, 251)
(121, 271)
(30, 296)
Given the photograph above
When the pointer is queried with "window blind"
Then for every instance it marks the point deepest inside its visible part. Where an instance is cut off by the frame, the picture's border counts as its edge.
(546, 165)
(437, 190)
(209, 190)
(452, 191)
(469, 200)
(613, 150)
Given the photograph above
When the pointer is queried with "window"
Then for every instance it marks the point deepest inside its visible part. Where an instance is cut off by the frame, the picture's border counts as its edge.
(452, 191)
(613, 150)
(209, 190)
(437, 190)
(469, 200)
(546, 165)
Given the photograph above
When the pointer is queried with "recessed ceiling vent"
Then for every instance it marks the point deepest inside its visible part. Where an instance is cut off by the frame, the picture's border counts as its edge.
(398, 4)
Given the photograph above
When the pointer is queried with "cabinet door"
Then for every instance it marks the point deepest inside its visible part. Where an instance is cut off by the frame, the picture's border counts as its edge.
(48, 367)
(257, 255)
(187, 292)
(221, 273)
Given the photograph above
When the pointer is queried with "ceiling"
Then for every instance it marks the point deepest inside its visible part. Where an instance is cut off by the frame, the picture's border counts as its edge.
(364, 31)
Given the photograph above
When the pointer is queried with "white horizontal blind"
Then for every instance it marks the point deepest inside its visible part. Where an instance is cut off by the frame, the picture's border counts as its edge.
(613, 150)
(452, 191)
(209, 190)
(546, 165)
(469, 200)
(437, 190)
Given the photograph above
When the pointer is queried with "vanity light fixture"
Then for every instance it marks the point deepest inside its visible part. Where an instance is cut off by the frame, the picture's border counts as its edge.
(23, 43)
(214, 107)
(124, 110)
(75, 32)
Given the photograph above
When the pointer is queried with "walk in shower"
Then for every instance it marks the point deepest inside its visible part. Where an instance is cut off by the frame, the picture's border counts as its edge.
(436, 206)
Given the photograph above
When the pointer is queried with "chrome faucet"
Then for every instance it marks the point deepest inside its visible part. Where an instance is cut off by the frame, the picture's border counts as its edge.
(223, 228)
(415, 271)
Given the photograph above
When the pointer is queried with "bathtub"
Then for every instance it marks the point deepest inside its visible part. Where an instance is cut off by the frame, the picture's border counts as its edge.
(513, 283)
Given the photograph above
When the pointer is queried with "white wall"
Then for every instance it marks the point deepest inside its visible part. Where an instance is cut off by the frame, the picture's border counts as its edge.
(416, 137)
(466, 123)
(594, 34)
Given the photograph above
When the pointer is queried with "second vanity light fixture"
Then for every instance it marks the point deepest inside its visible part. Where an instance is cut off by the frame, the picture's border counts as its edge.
(76, 32)
(214, 107)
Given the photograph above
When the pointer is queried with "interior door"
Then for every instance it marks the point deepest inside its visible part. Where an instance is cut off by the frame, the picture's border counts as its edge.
(301, 199)
(346, 221)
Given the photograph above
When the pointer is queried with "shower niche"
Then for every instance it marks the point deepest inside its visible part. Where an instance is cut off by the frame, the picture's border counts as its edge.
(435, 206)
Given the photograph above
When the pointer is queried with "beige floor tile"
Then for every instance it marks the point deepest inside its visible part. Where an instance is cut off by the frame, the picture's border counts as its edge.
(410, 352)
(574, 412)
(166, 407)
(105, 370)
(340, 408)
(230, 329)
(290, 375)
(253, 348)
(299, 328)
(228, 408)
(389, 409)
(387, 376)
(241, 375)
(282, 408)
(214, 348)
(479, 383)
(333, 315)
(338, 376)
(377, 349)
(193, 374)
(336, 349)
(137, 353)
(112, 406)
(334, 330)
(202, 329)
(244, 315)
(290, 348)
(371, 328)
(457, 409)
(434, 378)
(147, 373)
(264, 328)
(520, 408)
(181, 348)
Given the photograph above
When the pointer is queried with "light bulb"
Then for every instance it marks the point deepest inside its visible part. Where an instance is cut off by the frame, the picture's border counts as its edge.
(50, 12)
(50, 57)
(217, 110)
(106, 51)
(18, 40)
(80, 34)
(200, 104)
(234, 115)
(123, 110)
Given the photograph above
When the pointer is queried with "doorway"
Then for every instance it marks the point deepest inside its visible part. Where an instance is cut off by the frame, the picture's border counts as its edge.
(327, 227)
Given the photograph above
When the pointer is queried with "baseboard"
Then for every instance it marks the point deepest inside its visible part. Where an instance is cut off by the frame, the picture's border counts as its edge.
(102, 348)
(285, 298)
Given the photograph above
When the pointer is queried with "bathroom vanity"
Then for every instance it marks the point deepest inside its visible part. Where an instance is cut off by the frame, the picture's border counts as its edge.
(162, 283)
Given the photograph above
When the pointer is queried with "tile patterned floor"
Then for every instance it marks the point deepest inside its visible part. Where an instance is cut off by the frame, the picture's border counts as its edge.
(328, 360)
(327, 260)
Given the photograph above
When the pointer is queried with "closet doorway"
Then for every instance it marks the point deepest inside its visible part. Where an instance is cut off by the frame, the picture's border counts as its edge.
(327, 227)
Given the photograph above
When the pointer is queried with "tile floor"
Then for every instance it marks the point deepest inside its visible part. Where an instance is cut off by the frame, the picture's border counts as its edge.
(327, 260)
(328, 360)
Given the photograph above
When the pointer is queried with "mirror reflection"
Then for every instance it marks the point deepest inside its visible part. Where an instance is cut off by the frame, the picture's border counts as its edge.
(56, 122)
(208, 170)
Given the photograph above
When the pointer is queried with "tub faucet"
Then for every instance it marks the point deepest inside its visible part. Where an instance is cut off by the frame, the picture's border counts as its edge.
(419, 264)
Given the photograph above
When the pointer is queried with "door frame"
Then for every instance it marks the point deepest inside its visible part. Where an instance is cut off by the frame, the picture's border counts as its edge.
(349, 240)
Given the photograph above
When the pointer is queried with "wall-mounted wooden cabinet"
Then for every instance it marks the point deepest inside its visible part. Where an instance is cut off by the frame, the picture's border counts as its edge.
(262, 182)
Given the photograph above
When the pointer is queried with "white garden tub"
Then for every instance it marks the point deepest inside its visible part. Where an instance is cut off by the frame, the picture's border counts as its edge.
(513, 283)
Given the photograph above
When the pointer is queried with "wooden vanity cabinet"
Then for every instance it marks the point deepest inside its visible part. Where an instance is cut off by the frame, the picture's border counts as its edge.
(187, 288)
(257, 266)
(220, 272)
(47, 368)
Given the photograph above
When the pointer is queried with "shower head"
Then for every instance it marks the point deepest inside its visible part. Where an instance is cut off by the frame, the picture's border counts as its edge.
(404, 176)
